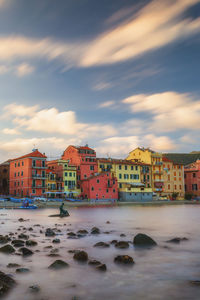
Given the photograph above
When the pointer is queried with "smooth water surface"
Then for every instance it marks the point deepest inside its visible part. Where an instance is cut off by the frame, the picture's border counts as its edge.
(163, 272)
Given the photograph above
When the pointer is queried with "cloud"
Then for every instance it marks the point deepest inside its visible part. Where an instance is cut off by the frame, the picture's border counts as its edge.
(24, 69)
(154, 26)
(169, 111)
(102, 86)
(11, 131)
(18, 110)
(107, 104)
(4, 69)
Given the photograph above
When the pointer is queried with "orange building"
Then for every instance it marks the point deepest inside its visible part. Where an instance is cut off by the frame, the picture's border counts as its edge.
(27, 175)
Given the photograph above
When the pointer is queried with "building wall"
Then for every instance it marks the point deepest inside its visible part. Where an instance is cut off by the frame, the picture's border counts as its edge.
(192, 178)
(173, 178)
(136, 196)
(4, 178)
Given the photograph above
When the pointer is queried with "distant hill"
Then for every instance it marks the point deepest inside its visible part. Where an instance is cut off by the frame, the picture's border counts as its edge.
(183, 158)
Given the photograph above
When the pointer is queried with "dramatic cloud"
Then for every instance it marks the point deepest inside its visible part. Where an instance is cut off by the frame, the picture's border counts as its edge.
(169, 111)
(154, 26)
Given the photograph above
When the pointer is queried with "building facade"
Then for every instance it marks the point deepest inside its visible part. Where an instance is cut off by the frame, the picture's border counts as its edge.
(134, 179)
(173, 175)
(102, 186)
(4, 178)
(192, 178)
(27, 175)
(145, 155)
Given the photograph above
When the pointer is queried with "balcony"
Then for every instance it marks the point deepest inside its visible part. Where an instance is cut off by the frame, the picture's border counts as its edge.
(71, 187)
(37, 176)
(38, 186)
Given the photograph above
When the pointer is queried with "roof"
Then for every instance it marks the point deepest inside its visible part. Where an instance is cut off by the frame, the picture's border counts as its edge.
(34, 153)
(98, 175)
(165, 159)
(183, 158)
(121, 161)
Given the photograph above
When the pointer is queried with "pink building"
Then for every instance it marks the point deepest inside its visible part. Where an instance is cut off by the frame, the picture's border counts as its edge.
(100, 186)
(192, 178)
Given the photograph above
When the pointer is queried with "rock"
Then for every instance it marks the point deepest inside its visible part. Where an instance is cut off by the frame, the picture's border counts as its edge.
(122, 235)
(34, 288)
(4, 239)
(23, 236)
(81, 256)
(21, 220)
(143, 240)
(95, 230)
(94, 262)
(113, 242)
(53, 255)
(108, 222)
(6, 284)
(31, 243)
(122, 245)
(82, 232)
(49, 232)
(48, 247)
(41, 231)
(25, 251)
(124, 259)
(18, 243)
(58, 264)
(56, 241)
(101, 267)
(73, 251)
(22, 270)
(7, 249)
(195, 282)
(54, 250)
(13, 265)
(177, 240)
(102, 245)
(71, 234)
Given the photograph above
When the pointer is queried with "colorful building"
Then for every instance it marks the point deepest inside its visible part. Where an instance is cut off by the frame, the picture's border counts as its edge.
(4, 178)
(173, 175)
(51, 183)
(27, 175)
(100, 186)
(192, 178)
(145, 155)
(134, 179)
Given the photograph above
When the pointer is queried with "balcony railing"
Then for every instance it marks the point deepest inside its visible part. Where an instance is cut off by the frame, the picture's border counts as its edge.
(37, 176)
(38, 186)
(38, 167)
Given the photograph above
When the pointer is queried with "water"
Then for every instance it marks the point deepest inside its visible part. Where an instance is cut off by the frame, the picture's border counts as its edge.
(158, 273)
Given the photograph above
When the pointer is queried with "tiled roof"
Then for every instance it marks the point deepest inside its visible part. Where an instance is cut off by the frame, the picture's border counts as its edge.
(121, 161)
(35, 153)
(183, 158)
(165, 159)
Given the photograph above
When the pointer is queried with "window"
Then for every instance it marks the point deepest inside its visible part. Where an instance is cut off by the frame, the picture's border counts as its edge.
(15, 165)
(113, 190)
(15, 183)
(92, 188)
(33, 163)
(175, 187)
(193, 175)
(180, 187)
(136, 167)
(33, 191)
(185, 187)
(194, 187)
(147, 177)
(22, 173)
(168, 177)
(120, 176)
(22, 163)
(174, 173)
(22, 183)
(125, 167)
(43, 163)
(97, 180)
(18, 173)
(91, 168)
(15, 174)
(66, 183)
(43, 191)
(132, 168)
(18, 183)
(179, 178)
(18, 164)
(85, 176)
(120, 185)
(74, 174)
(43, 174)
(168, 186)
(70, 174)
(66, 174)
(184, 175)
(120, 167)
(107, 191)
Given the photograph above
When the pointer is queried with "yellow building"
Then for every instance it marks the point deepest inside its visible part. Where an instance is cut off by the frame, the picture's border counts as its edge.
(134, 179)
(173, 178)
(145, 155)
(51, 183)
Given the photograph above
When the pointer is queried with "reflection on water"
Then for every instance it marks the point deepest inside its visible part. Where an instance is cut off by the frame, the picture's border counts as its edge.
(160, 273)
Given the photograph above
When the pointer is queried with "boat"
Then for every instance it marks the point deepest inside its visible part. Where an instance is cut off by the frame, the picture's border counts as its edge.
(28, 207)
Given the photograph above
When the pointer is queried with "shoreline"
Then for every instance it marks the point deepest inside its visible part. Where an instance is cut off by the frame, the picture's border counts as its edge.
(11, 205)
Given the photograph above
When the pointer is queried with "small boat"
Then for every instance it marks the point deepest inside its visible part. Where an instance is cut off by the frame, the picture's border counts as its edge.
(28, 207)
(58, 215)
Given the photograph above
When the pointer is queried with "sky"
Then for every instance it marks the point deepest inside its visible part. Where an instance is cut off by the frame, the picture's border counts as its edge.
(112, 74)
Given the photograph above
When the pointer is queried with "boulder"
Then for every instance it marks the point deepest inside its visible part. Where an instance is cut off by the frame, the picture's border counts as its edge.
(177, 240)
(7, 249)
(58, 264)
(31, 243)
(23, 236)
(122, 235)
(6, 283)
(56, 241)
(34, 288)
(49, 232)
(113, 242)
(13, 265)
(102, 245)
(101, 267)
(144, 240)
(94, 262)
(122, 245)
(108, 222)
(195, 282)
(82, 232)
(71, 233)
(22, 270)
(25, 251)
(124, 259)
(4, 239)
(95, 230)
(81, 256)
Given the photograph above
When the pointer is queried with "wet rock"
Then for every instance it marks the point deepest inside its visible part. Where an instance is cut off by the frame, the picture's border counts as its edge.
(23, 236)
(81, 256)
(124, 259)
(30, 229)
(6, 284)
(58, 264)
(82, 232)
(108, 222)
(113, 242)
(55, 250)
(177, 240)
(4, 239)
(101, 267)
(48, 247)
(7, 249)
(94, 262)
(122, 245)
(71, 234)
(95, 230)
(49, 232)
(34, 288)
(31, 243)
(195, 282)
(21, 220)
(37, 225)
(53, 255)
(142, 239)
(56, 241)
(102, 245)
(13, 265)
(73, 251)
(22, 270)
(25, 251)
(122, 235)
(41, 231)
